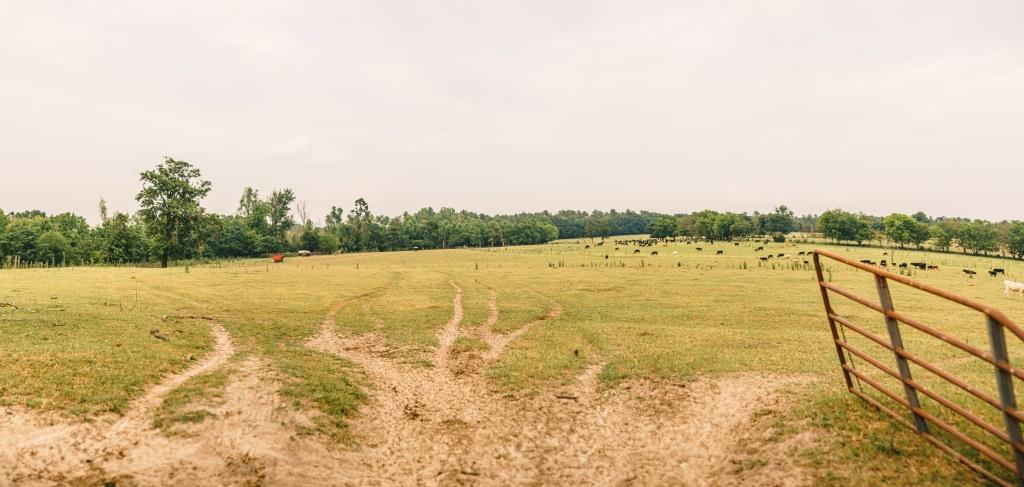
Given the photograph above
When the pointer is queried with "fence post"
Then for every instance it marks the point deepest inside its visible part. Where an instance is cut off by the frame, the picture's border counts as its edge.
(897, 344)
(997, 339)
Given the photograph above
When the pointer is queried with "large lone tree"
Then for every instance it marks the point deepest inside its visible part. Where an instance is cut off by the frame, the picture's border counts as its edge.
(170, 199)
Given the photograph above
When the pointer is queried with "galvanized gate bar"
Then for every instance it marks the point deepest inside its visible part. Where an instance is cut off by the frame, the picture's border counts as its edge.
(999, 359)
(1005, 381)
(893, 327)
(927, 366)
(932, 395)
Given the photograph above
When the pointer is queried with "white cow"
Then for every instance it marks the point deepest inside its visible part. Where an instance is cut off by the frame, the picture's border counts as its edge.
(1017, 287)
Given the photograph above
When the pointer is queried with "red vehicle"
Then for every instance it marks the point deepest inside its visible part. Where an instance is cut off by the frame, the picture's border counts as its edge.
(277, 257)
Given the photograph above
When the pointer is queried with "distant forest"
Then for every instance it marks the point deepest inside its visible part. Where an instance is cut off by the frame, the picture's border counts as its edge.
(172, 225)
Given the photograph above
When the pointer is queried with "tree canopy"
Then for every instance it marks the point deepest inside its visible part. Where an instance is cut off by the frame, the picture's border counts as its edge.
(170, 207)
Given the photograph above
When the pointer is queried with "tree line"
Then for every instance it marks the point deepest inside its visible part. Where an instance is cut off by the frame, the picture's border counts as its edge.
(978, 237)
(172, 224)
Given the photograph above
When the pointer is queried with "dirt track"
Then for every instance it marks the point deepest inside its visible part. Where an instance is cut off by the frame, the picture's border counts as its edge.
(441, 425)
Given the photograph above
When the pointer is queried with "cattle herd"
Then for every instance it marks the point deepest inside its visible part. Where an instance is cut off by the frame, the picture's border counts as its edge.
(1008, 286)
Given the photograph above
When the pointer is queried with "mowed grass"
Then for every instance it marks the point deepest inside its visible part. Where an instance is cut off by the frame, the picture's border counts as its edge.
(79, 341)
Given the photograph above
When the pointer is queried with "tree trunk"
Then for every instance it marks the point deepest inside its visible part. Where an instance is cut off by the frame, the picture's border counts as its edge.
(164, 259)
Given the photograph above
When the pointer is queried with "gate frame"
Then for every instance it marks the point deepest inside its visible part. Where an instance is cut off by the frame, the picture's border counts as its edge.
(997, 323)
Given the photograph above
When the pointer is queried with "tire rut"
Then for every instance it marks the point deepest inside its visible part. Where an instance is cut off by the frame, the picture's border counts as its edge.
(430, 426)
(499, 342)
(34, 452)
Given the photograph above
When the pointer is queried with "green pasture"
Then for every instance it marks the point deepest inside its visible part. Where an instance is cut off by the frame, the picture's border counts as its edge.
(78, 340)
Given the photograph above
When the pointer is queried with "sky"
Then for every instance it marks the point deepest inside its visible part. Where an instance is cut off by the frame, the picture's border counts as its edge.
(500, 107)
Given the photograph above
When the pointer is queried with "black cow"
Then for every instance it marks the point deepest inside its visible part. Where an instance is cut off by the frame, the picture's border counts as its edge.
(999, 270)
(654, 253)
(698, 249)
(720, 252)
(969, 272)
(637, 251)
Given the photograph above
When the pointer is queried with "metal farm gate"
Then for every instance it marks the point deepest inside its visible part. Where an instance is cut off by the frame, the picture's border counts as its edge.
(898, 366)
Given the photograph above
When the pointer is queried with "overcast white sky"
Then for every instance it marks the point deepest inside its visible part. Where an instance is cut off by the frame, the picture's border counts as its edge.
(672, 106)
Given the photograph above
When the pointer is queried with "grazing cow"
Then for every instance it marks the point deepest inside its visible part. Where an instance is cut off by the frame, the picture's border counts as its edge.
(654, 253)
(770, 256)
(999, 270)
(919, 265)
(865, 261)
(781, 255)
(637, 251)
(882, 263)
(969, 272)
(758, 249)
(885, 253)
(587, 247)
(903, 265)
(600, 244)
(736, 244)
(720, 252)
(766, 258)
(698, 249)
(933, 267)
(1017, 287)
(992, 273)
(800, 253)
(616, 249)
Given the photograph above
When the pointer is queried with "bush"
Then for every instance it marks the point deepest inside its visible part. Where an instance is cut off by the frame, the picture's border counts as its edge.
(778, 237)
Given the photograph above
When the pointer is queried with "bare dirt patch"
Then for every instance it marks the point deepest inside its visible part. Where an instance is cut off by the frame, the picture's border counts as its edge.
(45, 449)
(424, 425)
(433, 426)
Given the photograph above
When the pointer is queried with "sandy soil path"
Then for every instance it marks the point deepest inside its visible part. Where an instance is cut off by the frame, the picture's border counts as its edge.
(36, 450)
(439, 425)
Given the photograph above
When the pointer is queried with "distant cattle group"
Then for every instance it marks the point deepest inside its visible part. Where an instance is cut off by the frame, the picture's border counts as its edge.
(1008, 286)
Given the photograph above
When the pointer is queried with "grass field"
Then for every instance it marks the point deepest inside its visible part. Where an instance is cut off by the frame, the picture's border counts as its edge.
(83, 342)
